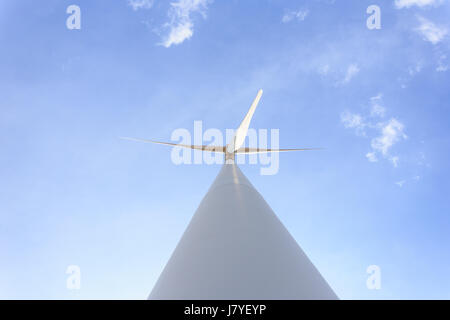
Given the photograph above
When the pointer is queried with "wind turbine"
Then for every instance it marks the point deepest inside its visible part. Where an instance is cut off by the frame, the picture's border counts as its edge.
(235, 247)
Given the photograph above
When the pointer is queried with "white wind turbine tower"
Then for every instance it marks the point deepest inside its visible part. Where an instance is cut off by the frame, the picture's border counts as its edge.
(235, 247)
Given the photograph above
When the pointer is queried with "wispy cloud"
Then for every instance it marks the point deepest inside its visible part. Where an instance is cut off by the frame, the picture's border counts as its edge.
(442, 65)
(399, 4)
(371, 156)
(353, 120)
(394, 160)
(298, 15)
(400, 183)
(340, 76)
(413, 70)
(377, 110)
(352, 71)
(430, 31)
(181, 27)
(384, 134)
(390, 133)
(140, 4)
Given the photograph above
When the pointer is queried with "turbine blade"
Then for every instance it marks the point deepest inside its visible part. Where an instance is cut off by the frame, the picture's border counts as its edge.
(241, 132)
(220, 149)
(257, 150)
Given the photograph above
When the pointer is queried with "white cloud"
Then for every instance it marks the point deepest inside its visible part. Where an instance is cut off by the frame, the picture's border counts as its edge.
(420, 3)
(340, 77)
(140, 4)
(412, 70)
(400, 183)
(422, 161)
(299, 15)
(372, 157)
(377, 97)
(377, 110)
(442, 65)
(353, 120)
(390, 133)
(430, 31)
(394, 161)
(181, 26)
(384, 134)
(178, 33)
(352, 71)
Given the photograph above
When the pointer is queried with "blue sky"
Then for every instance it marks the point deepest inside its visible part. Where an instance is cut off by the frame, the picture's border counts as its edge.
(72, 193)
